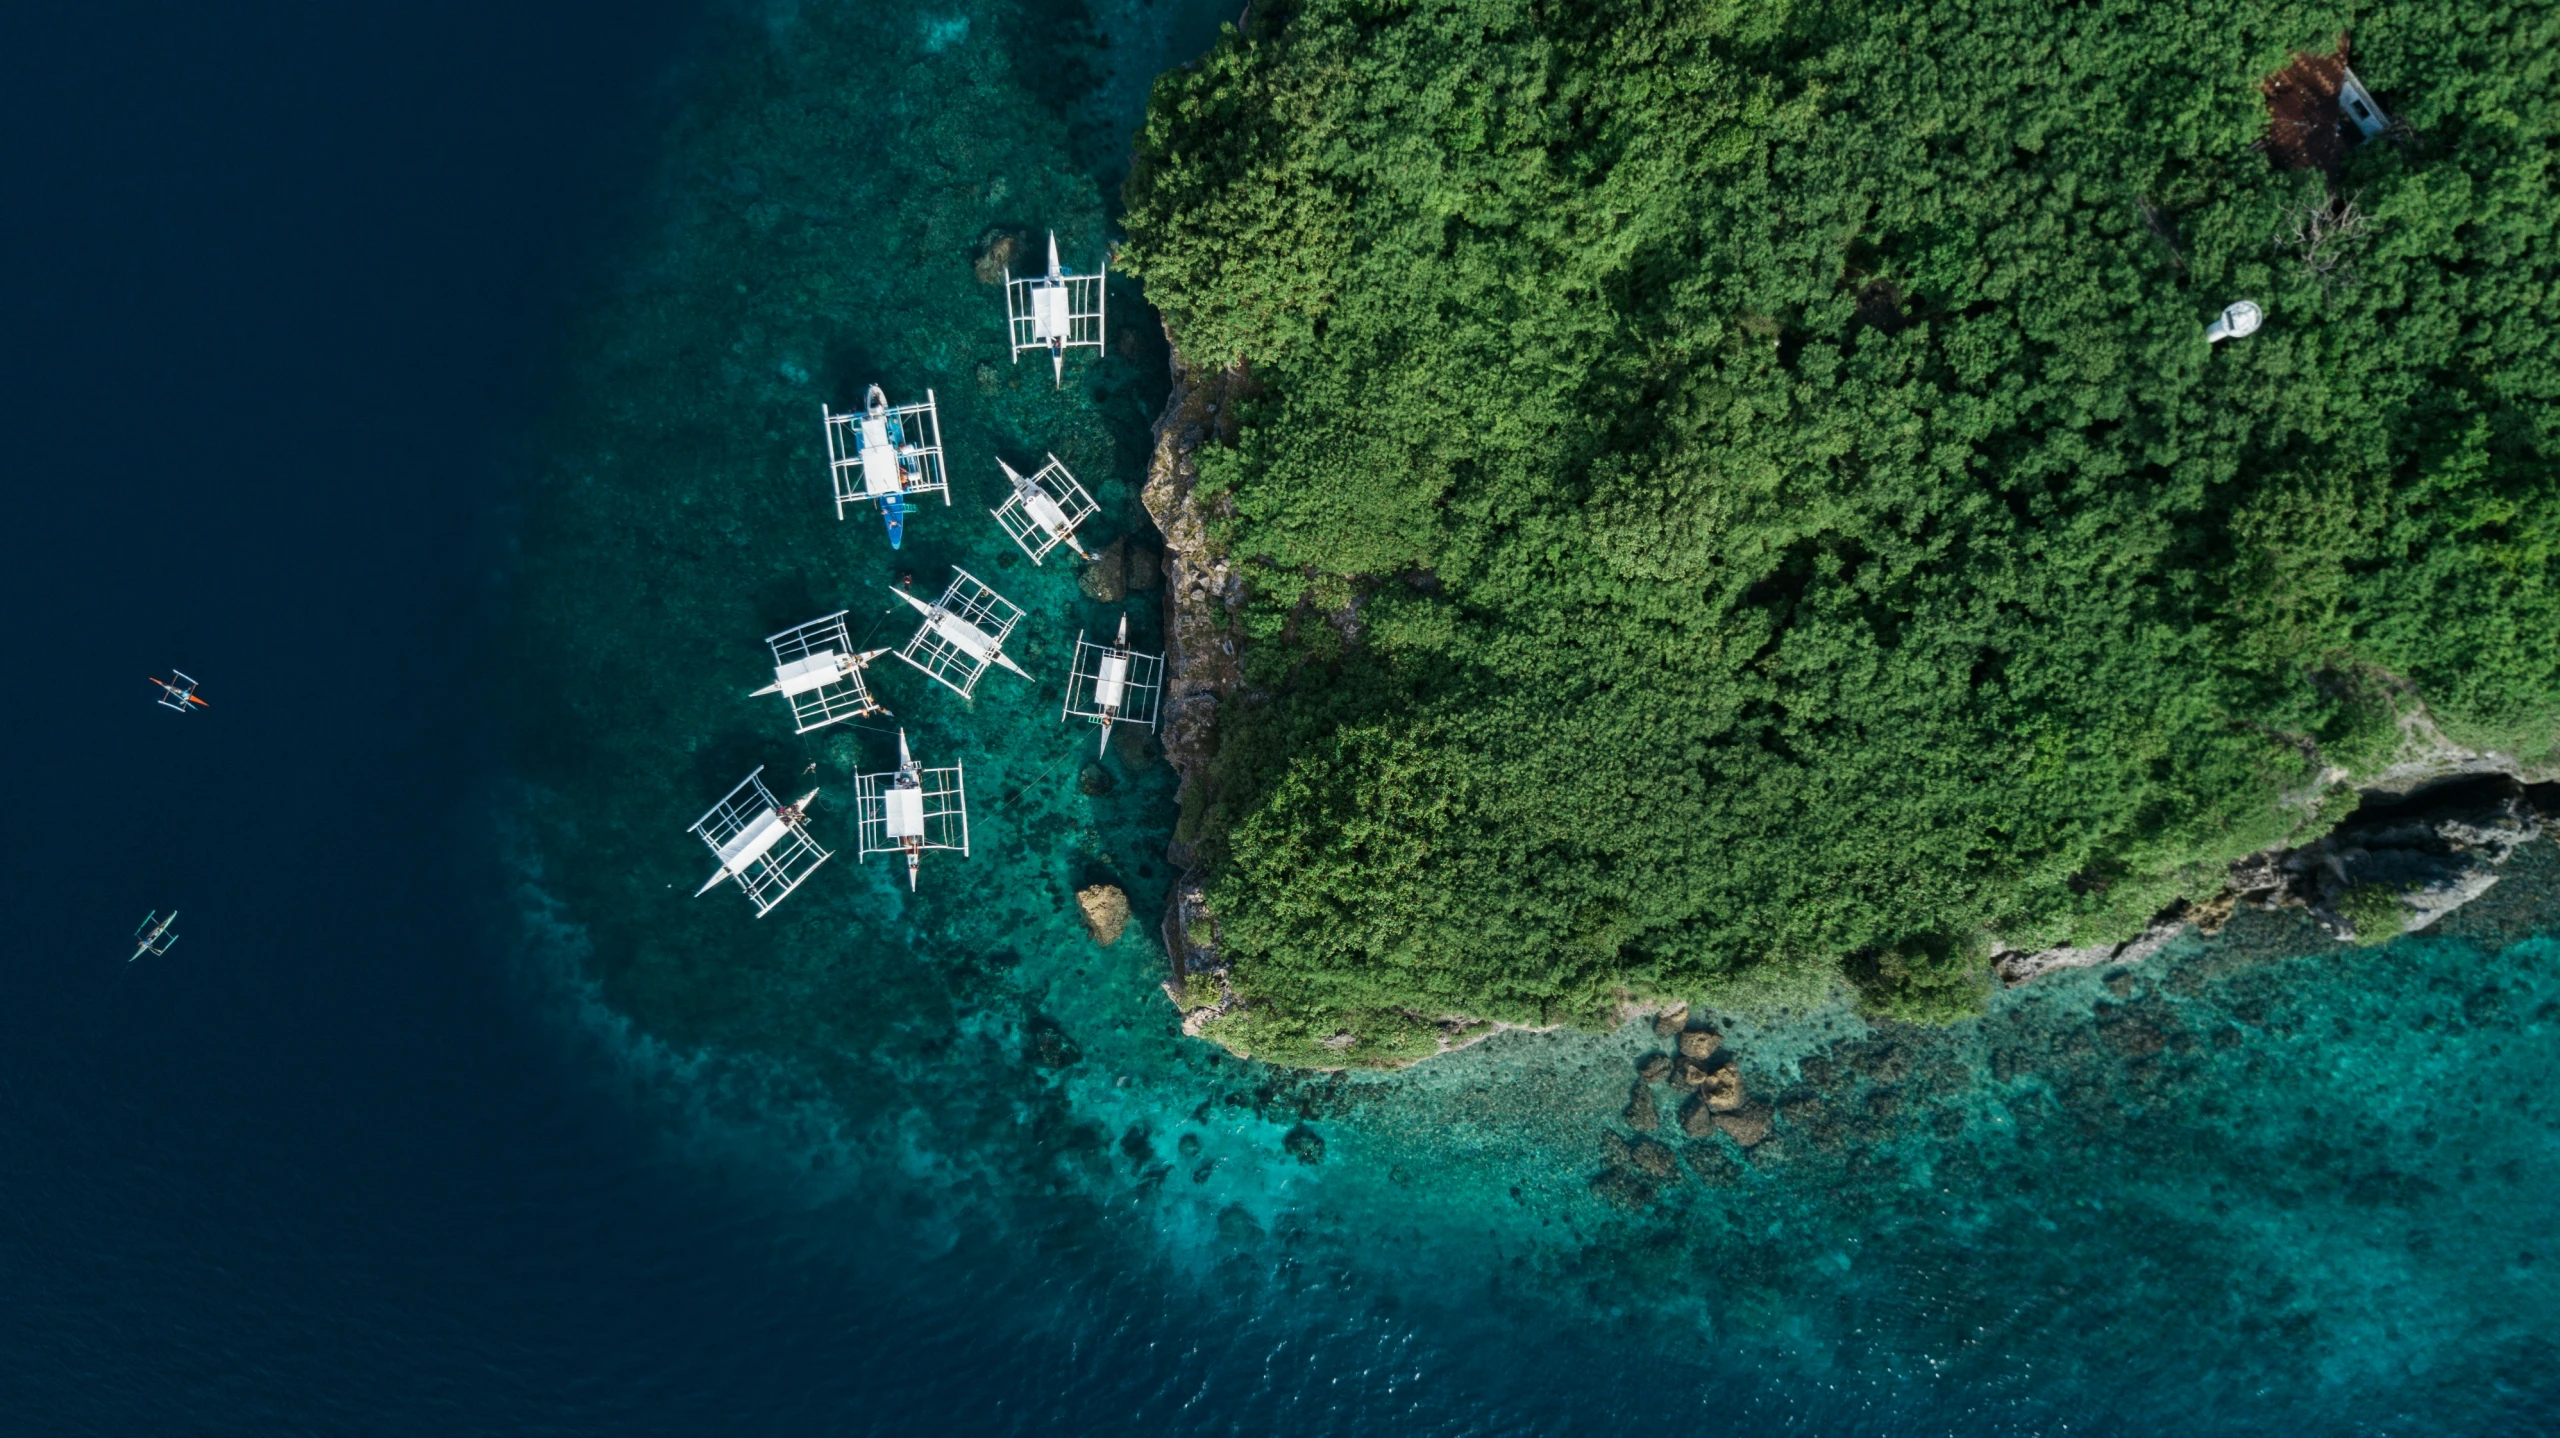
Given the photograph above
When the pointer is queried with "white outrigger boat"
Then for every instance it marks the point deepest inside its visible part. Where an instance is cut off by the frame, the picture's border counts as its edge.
(910, 809)
(886, 455)
(152, 935)
(816, 667)
(963, 633)
(1057, 312)
(1045, 509)
(1111, 684)
(762, 843)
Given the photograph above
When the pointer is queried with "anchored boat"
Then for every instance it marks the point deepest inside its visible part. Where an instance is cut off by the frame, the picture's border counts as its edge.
(963, 633)
(1057, 312)
(152, 935)
(887, 455)
(178, 693)
(1112, 684)
(762, 843)
(816, 667)
(910, 809)
(1045, 509)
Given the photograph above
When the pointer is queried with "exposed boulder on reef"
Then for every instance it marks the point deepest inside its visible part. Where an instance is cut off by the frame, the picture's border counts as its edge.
(1700, 1043)
(1722, 1097)
(2403, 860)
(1106, 912)
(1722, 1091)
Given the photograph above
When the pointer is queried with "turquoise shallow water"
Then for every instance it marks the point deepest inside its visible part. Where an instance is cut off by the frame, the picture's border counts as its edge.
(2260, 1178)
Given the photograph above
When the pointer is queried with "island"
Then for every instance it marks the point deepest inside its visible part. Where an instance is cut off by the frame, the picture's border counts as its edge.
(1690, 502)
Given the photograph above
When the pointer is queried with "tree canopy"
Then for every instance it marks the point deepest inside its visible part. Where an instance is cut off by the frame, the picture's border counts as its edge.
(1737, 491)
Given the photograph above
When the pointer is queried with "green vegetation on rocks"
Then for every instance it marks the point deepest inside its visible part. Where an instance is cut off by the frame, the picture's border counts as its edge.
(1732, 488)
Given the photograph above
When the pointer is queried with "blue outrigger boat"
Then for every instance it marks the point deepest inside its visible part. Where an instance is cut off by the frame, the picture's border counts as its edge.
(887, 456)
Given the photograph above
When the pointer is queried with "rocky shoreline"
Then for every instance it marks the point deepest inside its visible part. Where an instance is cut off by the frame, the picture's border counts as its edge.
(2410, 854)
(1201, 592)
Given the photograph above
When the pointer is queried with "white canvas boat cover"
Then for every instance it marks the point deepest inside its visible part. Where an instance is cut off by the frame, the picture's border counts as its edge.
(1049, 313)
(905, 813)
(1045, 511)
(815, 672)
(1112, 682)
(879, 461)
(760, 834)
(963, 635)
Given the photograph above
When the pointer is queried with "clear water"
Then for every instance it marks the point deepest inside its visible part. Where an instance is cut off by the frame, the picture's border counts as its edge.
(2262, 1179)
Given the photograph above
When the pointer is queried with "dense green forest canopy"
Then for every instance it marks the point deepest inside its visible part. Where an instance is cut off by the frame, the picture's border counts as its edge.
(1740, 490)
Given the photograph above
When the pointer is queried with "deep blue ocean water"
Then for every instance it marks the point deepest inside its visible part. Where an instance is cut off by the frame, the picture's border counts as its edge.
(437, 384)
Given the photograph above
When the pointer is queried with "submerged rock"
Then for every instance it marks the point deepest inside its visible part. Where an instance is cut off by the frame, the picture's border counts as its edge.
(1641, 1113)
(998, 248)
(1623, 1188)
(1106, 912)
(1654, 1068)
(1106, 579)
(1746, 1125)
(1304, 1144)
(1145, 563)
(1696, 1119)
(1654, 1160)
(1047, 1046)
(1715, 1167)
